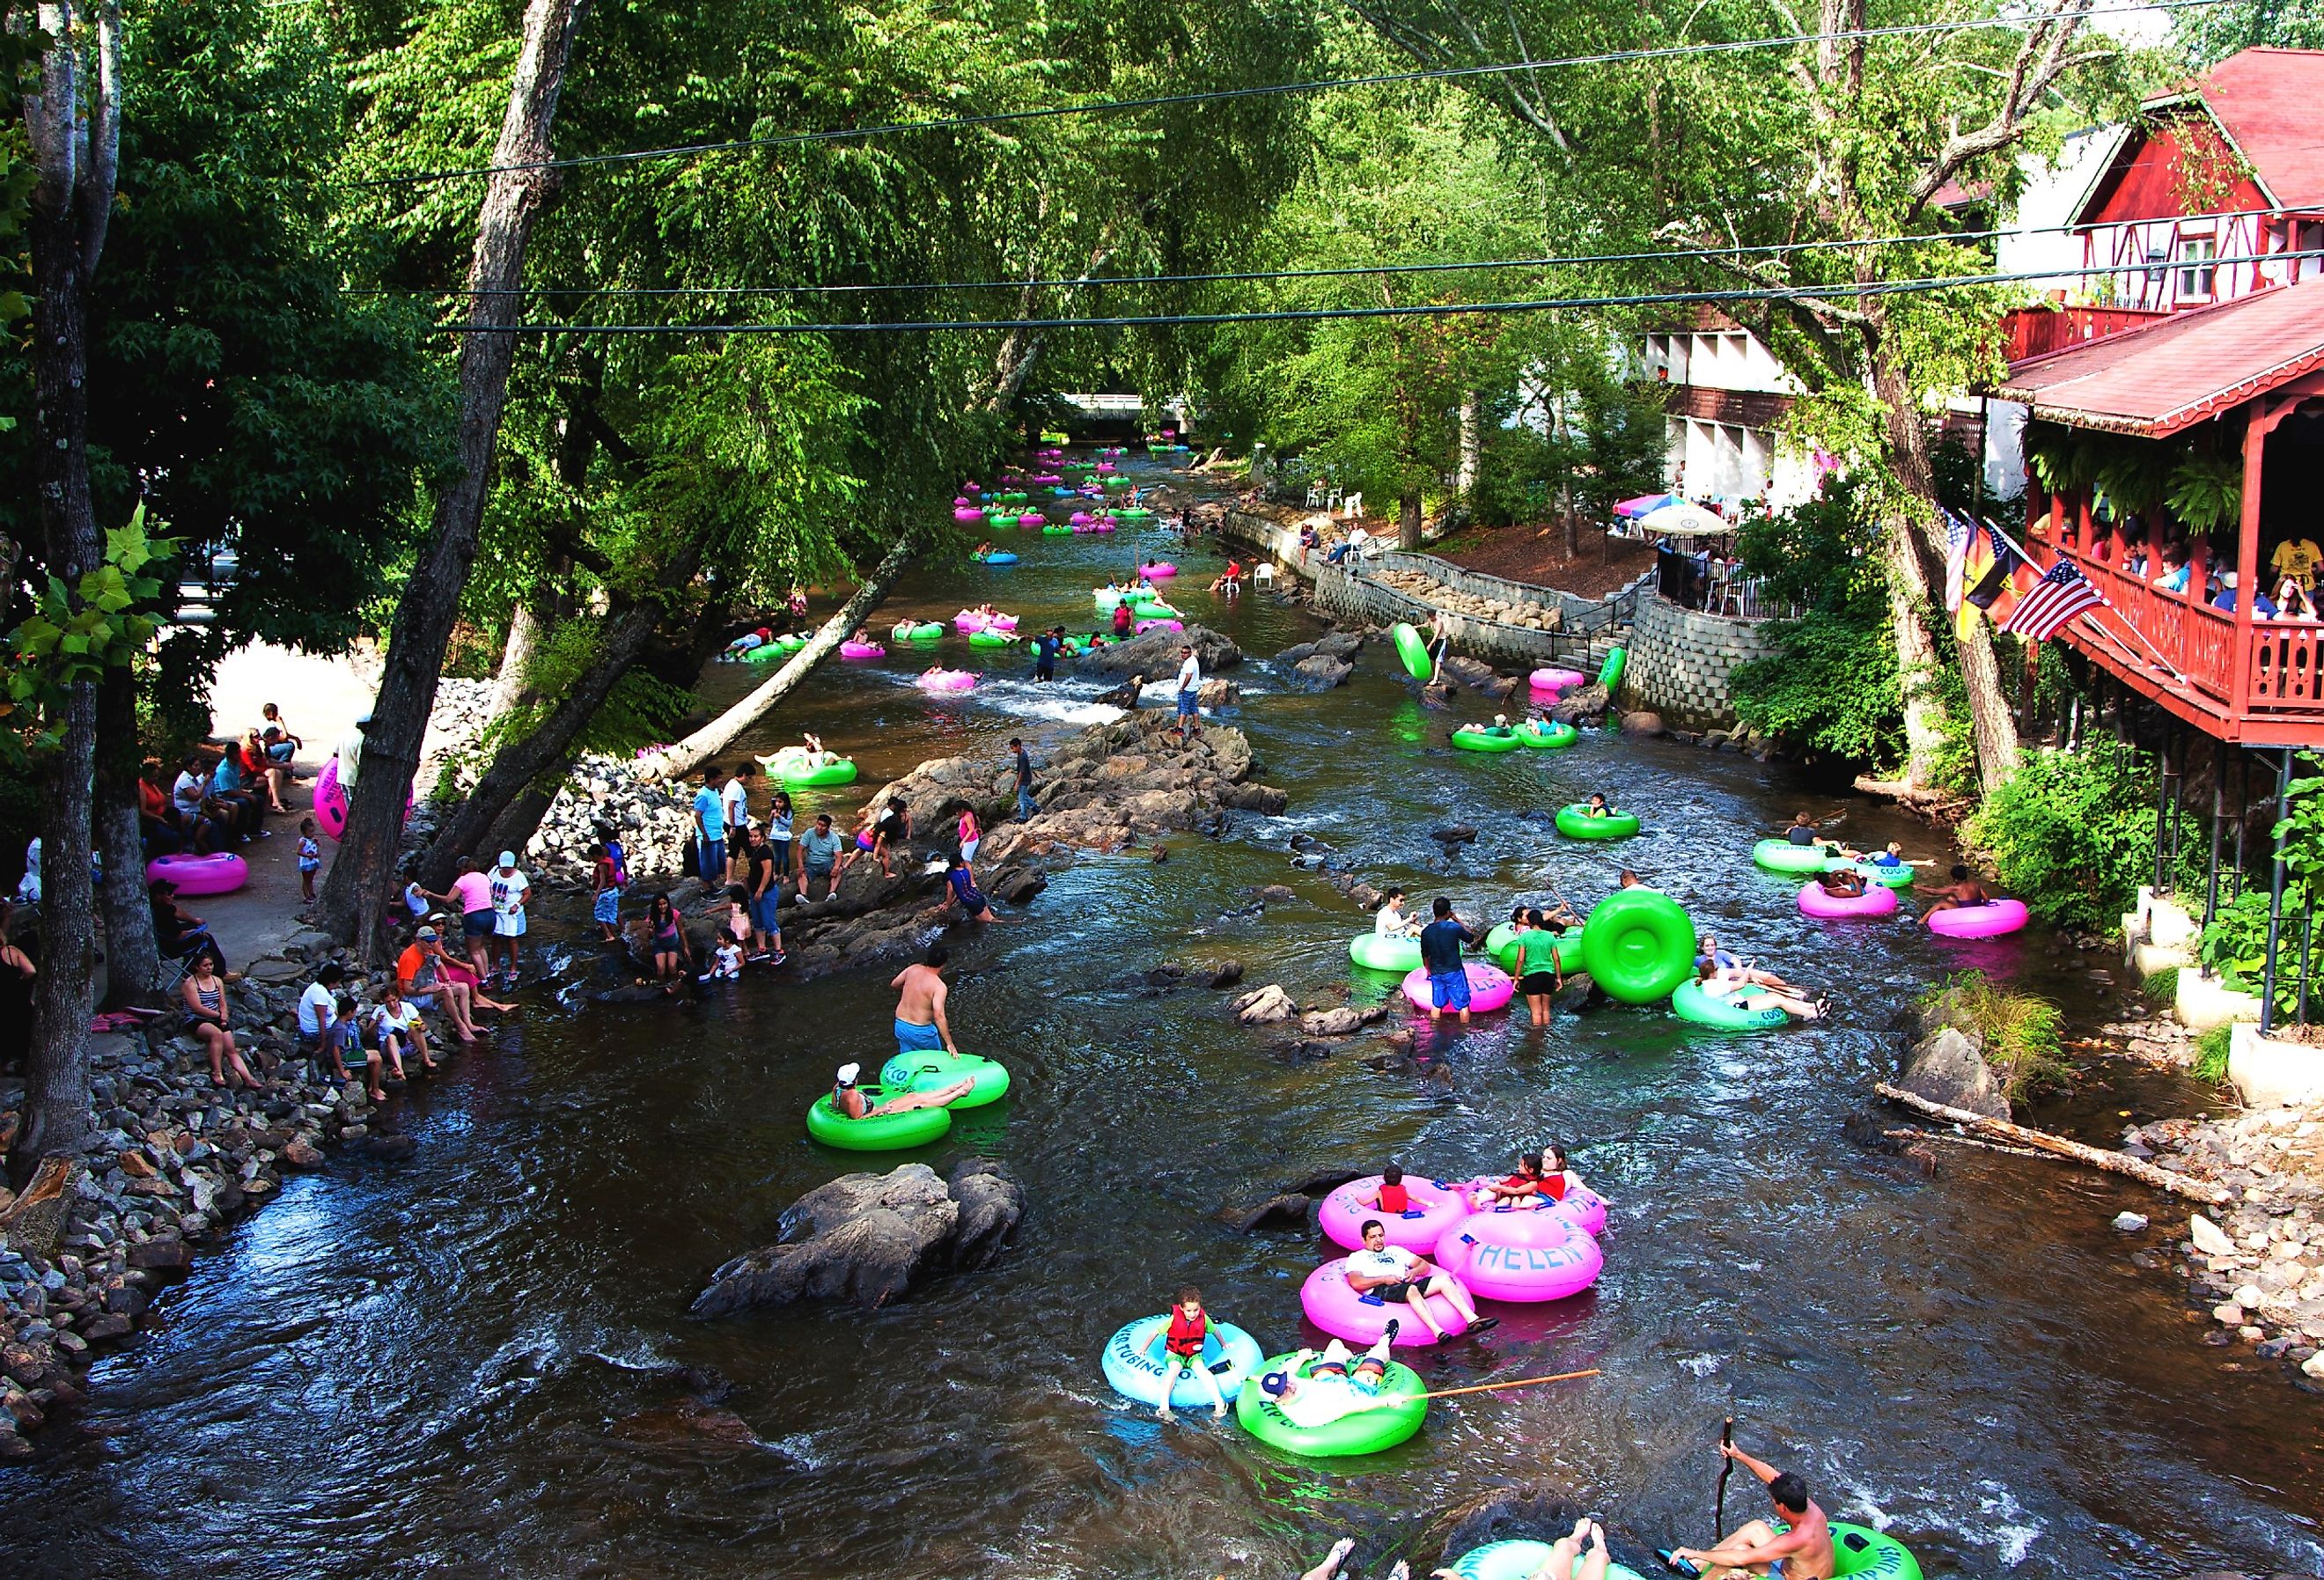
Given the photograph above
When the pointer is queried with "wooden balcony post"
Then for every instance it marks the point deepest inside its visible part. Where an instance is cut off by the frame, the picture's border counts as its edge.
(2239, 672)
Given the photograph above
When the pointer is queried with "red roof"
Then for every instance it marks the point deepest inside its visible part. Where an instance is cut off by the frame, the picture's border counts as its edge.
(2267, 100)
(2180, 370)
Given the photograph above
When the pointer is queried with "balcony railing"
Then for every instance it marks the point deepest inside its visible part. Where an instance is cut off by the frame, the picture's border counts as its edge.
(2036, 330)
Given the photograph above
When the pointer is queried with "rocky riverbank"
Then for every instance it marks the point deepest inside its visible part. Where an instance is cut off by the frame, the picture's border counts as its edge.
(92, 1240)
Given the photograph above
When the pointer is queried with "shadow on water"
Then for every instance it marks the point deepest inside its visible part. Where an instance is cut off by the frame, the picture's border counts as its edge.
(469, 1363)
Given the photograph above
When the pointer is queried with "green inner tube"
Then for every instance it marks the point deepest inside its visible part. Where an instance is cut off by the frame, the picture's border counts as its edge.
(1375, 953)
(889, 1132)
(767, 652)
(1413, 649)
(796, 778)
(1899, 876)
(1474, 738)
(1574, 821)
(1862, 1550)
(1638, 945)
(991, 638)
(1014, 497)
(1781, 855)
(1521, 1559)
(933, 1072)
(1547, 733)
(930, 632)
(1057, 530)
(1134, 512)
(1501, 944)
(995, 513)
(1368, 1431)
(1690, 1003)
(791, 641)
(1609, 673)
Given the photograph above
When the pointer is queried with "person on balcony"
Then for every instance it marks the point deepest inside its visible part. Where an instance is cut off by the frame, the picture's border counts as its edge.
(2263, 606)
(2292, 600)
(2297, 559)
(2173, 579)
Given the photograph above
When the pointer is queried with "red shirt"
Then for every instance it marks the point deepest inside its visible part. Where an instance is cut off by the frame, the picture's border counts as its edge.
(1553, 1186)
(1187, 1333)
(1393, 1198)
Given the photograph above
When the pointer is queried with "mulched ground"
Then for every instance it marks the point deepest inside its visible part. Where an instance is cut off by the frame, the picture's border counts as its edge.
(1537, 555)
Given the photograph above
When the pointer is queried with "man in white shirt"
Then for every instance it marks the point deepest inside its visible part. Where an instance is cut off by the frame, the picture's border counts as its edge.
(1190, 690)
(351, 755)
(1389, 1274)
(316, 1012)
(735, 797)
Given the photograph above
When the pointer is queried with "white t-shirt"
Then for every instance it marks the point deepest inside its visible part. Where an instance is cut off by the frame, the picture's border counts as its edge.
(1321, 1400)
(187, 792)
(509, 891)
(383, 1018)
(1190, 673)
(316, 1008)
(1390, 1262)
(1389, 922)
(737, 798)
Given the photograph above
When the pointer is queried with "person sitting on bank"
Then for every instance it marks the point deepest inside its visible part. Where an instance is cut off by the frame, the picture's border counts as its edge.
(1737, 988)
(847, 1098)
(1964, 890)
(1803, 1551)
(1383, 1273)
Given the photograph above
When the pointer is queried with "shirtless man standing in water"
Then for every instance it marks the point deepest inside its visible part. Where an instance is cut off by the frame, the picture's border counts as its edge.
(921, 991)
(1802, 1552)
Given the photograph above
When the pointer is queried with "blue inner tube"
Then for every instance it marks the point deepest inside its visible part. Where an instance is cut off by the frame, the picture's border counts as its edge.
(1132, 1363)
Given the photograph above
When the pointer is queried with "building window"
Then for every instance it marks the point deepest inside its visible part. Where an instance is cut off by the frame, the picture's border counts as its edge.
(2197, 272)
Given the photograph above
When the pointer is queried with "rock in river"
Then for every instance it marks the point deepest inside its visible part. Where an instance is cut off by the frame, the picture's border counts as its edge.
(871, 1237)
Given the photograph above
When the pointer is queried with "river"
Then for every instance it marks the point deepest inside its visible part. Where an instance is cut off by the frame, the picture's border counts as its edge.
(458, 1365)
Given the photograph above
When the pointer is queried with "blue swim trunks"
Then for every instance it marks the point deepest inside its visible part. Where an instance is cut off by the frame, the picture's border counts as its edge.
(608, 907)
(1448, 990)
(911, 1038)
(1187, 705)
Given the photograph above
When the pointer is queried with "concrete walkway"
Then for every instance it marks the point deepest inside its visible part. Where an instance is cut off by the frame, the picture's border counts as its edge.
(320, 699)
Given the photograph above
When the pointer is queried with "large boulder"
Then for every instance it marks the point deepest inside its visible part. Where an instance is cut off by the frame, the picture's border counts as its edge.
(1322, 672)
(1947, 1066)
(1155, 655)
(869, 1238)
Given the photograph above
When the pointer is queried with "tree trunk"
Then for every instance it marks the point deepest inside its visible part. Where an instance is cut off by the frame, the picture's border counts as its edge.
(1990, 721)
(1472, 447)
(72, 125)
(548, 749)
(510, 689)
(361, 879)
(722, 731)
(1407, 521)
(1917, 650)
(133, 961)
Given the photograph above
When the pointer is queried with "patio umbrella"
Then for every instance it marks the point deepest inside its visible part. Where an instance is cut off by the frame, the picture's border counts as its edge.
(1644, 503)
(1679, 519)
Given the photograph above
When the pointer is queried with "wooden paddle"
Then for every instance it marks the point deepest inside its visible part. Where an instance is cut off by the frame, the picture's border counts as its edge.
(1497, 1387)
(1726, 1469)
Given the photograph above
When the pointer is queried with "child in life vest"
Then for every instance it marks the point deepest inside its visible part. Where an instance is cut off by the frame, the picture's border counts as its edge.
(1182, 1352)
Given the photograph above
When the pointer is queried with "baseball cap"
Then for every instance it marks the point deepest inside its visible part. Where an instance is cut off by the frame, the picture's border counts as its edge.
(1275, 1382)
(508, 858)
(427, 933)
(847, 1074)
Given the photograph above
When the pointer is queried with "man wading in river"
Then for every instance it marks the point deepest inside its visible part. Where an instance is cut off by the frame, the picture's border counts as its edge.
(921, 991)
(1801, 1552)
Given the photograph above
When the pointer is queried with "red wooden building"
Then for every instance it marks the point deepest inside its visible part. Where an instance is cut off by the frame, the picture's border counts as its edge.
(2214, 362)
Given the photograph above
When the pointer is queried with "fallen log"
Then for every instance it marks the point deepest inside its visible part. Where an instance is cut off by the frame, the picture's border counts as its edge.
(2001, 1130)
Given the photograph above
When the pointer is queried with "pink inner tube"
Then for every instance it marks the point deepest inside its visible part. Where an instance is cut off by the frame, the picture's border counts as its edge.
(1489, 986)
(1103, 526)
(967, 513)
(946, 681)
(1877, 900)
(1989, 920)
(221, 873)
(969, 619)
(1032, 518)
(1159, 569)
(862, 650)
(1080, 518)
(1002, 623)
(1145, 625)
(1585, 1206)
(1106, 466)
(331, 802)
(1433, 1211)
(1555, 679)
(1520, 1254)
(1331, 1306)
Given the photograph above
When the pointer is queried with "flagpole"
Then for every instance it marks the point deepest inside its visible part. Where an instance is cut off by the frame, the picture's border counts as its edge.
(2014, 547)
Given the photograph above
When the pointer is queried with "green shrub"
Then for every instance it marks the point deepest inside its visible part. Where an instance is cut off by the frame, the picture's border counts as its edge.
(2023, 1033)
(2072, 833)
(2235, 946)
(2211, 1053)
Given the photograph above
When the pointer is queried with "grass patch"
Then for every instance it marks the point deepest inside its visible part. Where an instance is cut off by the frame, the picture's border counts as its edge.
(2211, 1053)
(2022, 1034)
(2162, 987)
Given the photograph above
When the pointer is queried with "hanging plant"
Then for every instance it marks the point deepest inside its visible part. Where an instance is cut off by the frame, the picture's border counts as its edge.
(2205, 491)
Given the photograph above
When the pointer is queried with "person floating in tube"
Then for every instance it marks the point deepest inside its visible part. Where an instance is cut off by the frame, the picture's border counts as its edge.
(1382, 1274)
(1803, 1551)
(1182, 1340)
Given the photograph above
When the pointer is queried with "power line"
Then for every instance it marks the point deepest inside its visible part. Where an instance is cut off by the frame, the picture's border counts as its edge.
(1350, 271)
(1222, 95)
(1417, 309)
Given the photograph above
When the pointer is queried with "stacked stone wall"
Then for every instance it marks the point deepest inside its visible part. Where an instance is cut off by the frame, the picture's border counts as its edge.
(1681, 660)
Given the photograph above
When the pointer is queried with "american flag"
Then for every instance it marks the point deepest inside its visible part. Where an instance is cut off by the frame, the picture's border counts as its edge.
(2060, 595)
(1956, 536)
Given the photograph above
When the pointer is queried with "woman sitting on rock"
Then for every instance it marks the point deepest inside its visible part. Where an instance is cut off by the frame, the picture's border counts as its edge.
(207, 1018)
(666, 942)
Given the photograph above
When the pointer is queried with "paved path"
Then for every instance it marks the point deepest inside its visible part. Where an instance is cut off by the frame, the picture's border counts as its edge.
(320, 699)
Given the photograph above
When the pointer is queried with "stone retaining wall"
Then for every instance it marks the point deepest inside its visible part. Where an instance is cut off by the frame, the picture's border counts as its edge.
(1359, 598)
(1680, 659)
